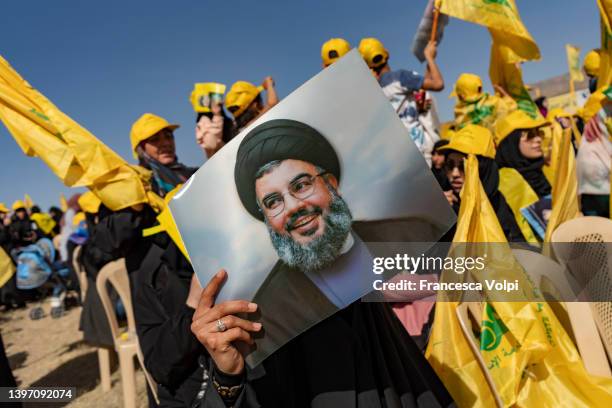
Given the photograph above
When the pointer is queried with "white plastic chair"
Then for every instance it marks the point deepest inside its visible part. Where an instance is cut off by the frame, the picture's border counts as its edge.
(126, 340)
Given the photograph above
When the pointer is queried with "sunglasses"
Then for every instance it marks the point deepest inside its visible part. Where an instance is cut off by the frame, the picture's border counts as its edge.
(451, 164)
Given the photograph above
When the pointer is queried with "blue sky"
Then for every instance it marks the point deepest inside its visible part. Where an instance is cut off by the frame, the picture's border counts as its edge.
(106, 63)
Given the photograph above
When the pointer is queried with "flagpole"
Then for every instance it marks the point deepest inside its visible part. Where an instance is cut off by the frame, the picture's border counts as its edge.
(434, 28)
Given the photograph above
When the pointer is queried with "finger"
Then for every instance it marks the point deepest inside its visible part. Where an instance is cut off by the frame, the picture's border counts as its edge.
(232, 321)
(235, 334)
(230, 307)
(207, 299)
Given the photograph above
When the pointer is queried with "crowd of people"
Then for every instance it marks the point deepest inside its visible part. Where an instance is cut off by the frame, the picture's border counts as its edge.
(362, 356)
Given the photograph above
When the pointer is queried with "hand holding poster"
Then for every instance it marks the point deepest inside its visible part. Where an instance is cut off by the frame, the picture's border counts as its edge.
(287, 205)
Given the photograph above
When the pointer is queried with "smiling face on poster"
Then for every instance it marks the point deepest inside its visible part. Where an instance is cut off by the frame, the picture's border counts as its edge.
(288, 205)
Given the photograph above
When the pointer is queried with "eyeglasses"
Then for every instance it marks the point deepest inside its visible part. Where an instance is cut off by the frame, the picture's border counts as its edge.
(301, 188)
(452, 164)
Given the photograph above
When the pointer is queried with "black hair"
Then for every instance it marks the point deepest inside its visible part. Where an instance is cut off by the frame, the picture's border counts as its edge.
(439, 144)
(35, 209)
(249, 114)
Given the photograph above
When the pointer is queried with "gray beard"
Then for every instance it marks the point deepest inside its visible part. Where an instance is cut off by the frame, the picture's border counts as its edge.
(322, 251)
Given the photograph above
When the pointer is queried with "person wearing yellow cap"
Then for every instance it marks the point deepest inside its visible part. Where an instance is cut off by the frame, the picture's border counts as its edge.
(245, 103)
(478, 107)
(520, 158)
(406, 91)
(333, 49)
(478, 140)
(20, 228)
(152, 141)
(592, 63)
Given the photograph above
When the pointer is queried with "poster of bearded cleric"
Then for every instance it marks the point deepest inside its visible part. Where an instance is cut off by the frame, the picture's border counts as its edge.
(288, 206)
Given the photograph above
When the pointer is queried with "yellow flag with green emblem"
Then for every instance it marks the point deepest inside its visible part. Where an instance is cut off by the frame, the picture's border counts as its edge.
(573, 63)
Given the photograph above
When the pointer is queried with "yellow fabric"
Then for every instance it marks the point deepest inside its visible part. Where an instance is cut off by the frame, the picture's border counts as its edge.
(505, 71)
(519, 194)
(17, 204)
(472, 139)
(167, 224)
(7, 267)
(593, 105)
(486, 111)
(240, 96)
(146, 126)
(573, 63)
(370, 49)
(44, 222)
(605, 70)
(530, 359)
(501, 16)
(27, 201)
(63, 203)
(89, 203)
(69, 150)
(78, 218)
(468, 88)
(339, 45)
(3, 208)
(592, 63)
(447, 130)
(516, 120)
(202, 95)
(448, 351)
(565, 205)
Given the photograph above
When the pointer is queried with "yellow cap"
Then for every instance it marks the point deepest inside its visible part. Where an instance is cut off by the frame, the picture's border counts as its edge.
(333, 49)
(89, 202)
(78, 217)
(373, 52)
(3, 208)
(592, 62)
(468, 88)
(514, 121)
(17, 205)
(204, 94)
(447, 130)
(145, 127)
(557, 113)
(472, 139)
(240, 96)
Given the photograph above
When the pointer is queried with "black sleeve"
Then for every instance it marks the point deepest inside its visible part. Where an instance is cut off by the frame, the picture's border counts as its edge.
(170, 349)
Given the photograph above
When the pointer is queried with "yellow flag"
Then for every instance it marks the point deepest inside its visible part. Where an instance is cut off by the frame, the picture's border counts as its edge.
(44, 222)
(7, 268)
(605, 71)
(565, 186)
(448, 351)
(27, 201)
(500, 16)
(76, 156)
(526, 354)
(573, 63)
(63, 203)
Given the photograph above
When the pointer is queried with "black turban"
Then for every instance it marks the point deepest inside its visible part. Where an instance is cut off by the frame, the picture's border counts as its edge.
(279, 139)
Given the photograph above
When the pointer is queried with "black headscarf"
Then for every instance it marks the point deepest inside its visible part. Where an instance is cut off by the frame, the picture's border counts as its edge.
(279, 139)
(165, 177)
(509, 155)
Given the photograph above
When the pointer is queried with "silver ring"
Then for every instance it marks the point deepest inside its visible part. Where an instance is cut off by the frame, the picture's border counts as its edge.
(221, 326)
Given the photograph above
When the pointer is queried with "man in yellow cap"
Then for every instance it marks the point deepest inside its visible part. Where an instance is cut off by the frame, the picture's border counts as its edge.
(153, 145)
(474, 106)
(333, 49)
(20, 228)
(478, 140)
(592, 62)
(406, 91)
(245, 103)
